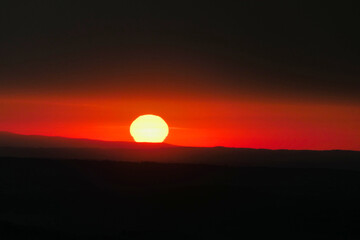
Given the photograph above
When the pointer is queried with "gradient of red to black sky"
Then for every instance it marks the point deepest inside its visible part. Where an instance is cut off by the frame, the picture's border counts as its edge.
(220, 75)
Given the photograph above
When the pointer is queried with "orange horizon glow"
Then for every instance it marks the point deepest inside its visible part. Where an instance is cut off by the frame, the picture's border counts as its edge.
(192, 122)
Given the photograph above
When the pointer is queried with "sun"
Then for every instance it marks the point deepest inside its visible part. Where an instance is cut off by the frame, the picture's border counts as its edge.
(149, 128)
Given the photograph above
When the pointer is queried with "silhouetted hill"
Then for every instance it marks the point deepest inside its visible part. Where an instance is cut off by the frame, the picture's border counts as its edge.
(85, 189)
(8, 139)
(23, 146)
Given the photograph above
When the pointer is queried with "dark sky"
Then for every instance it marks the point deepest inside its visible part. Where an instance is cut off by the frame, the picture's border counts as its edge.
(281, 47)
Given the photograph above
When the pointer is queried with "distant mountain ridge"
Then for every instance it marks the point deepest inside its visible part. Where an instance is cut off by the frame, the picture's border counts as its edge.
(44, 147)
(8, 139)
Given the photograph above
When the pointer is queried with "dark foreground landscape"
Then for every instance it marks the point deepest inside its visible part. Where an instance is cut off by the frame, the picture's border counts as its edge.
(262, 194)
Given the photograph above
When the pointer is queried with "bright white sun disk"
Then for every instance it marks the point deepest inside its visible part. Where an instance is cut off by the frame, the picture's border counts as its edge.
(149, 128)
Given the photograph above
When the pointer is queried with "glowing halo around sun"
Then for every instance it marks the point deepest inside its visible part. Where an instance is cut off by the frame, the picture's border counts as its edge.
(149, 128)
